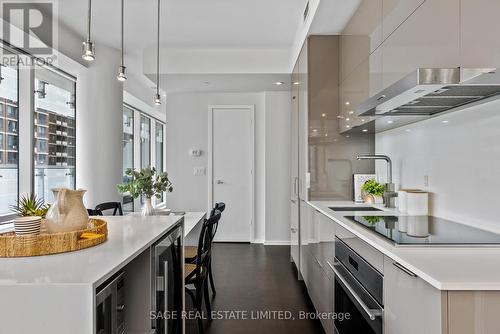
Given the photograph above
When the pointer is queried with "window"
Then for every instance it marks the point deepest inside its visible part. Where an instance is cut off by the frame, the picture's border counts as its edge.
(128, 153)
(145, 142)
(159, 150)
(9, 118)
(159, 147)
(54, 138)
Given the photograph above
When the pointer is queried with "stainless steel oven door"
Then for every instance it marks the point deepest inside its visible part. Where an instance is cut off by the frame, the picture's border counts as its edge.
(361, 312)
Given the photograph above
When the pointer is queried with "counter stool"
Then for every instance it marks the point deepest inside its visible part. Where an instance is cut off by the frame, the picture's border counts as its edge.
(191, 251)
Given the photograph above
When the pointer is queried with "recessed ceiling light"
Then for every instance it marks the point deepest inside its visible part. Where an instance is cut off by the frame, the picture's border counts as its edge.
(362, 120)
(339, 116)
(296, 83)
(348, 119)
(323, 115)
(351, 112)
(347, 136)
(408, 130)
(315, 130)
(365, 130)
(326, 134)
(445, 121)
(347, 103)
(347, 126)
(279, 83)
(390, 121)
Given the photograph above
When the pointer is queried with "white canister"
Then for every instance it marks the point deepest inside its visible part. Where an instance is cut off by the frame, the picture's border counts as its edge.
(403, 224)
(417, 203)
(402, 201)
(418, 226)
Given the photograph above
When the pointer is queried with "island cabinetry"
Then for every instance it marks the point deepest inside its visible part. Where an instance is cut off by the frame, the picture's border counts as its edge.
(412, 306)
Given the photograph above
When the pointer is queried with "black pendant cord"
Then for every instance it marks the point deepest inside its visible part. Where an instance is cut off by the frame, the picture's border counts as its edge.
(122, 12)
(158, 53)
(89, 18)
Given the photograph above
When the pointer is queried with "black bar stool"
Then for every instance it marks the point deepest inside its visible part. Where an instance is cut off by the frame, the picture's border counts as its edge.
(191, 251)
(197, 273)
(115, 206)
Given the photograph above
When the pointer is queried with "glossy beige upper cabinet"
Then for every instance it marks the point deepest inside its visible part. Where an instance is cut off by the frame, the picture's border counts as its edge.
(480, 28)
(428, 38)
(363, 82)
(395, 12)
(361, 36)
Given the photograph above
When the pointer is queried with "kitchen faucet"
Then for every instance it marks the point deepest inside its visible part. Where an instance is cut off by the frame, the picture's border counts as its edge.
(390, 193)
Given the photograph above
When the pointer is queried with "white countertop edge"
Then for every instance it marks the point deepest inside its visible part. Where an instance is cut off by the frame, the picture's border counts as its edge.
(100, 273)
(133, 255)
(385, 247)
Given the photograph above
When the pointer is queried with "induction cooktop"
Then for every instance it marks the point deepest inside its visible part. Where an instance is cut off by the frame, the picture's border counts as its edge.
(426, 230)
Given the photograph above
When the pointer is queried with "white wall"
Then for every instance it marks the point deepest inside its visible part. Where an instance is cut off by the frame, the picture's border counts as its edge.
(187, 128)
(277, 216)
(461, 158)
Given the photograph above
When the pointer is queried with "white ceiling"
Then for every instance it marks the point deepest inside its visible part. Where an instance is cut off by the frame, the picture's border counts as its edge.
(203, 24)
(203, 83)
(189, 23)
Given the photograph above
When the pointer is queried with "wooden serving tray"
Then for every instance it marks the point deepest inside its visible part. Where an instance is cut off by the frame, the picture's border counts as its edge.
(46, 244)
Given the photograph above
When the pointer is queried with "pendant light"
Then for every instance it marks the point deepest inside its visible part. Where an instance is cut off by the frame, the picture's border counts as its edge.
(121, 70)
(157, 97)
(88, 48)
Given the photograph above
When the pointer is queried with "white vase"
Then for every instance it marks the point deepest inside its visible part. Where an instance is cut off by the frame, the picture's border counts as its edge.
(147, 207)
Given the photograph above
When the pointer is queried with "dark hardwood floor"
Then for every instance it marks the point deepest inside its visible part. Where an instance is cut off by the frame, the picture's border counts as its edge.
(253, 278)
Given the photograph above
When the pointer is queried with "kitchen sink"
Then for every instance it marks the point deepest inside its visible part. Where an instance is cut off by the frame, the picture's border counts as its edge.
(355, 208)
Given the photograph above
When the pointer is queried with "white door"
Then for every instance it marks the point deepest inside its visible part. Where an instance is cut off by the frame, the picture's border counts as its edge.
(232, 170)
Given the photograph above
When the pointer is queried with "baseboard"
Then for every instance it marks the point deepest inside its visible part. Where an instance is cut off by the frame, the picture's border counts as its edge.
(258, 241)
(277, 243)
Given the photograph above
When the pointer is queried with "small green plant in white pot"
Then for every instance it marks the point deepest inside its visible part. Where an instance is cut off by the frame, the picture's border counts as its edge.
(30, 210)
(373, 192)
(146, 182)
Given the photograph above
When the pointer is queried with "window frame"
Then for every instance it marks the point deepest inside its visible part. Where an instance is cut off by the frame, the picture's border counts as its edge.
(26, 127)
(138, 113)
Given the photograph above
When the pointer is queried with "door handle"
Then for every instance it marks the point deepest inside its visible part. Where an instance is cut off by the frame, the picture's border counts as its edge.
(219, 182)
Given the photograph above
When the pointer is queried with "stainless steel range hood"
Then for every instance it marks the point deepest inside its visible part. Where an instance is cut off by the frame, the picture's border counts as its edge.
(428, 91)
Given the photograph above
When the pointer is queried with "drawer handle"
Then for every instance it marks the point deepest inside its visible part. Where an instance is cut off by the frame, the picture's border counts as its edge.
(403, 269)
(353, 263)
(372, 313)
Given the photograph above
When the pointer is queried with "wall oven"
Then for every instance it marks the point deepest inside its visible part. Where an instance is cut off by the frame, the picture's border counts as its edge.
(167, 283)
(358, 293)
(110, 306)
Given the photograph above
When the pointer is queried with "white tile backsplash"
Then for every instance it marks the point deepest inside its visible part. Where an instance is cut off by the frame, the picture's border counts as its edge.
(460, 158)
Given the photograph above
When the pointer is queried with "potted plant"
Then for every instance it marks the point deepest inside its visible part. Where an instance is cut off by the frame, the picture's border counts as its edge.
(148, 183)
(373, 192)
(30, 210)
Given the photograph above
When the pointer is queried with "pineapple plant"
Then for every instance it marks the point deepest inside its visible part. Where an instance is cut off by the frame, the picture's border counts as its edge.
(30, 205)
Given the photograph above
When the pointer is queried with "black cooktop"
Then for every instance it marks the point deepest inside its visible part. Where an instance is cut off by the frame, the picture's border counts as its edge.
(426, 230)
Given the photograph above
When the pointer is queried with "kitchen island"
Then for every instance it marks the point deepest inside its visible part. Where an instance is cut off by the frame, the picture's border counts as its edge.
(443, 289)
(56, 293)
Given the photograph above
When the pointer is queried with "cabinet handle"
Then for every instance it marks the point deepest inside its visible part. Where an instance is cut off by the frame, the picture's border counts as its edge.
(319, 264)
(295, 188)
(403, 269)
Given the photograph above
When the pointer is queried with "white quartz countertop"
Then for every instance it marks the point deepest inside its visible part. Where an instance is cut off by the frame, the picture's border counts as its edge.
(446, 268)
(128, 236)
